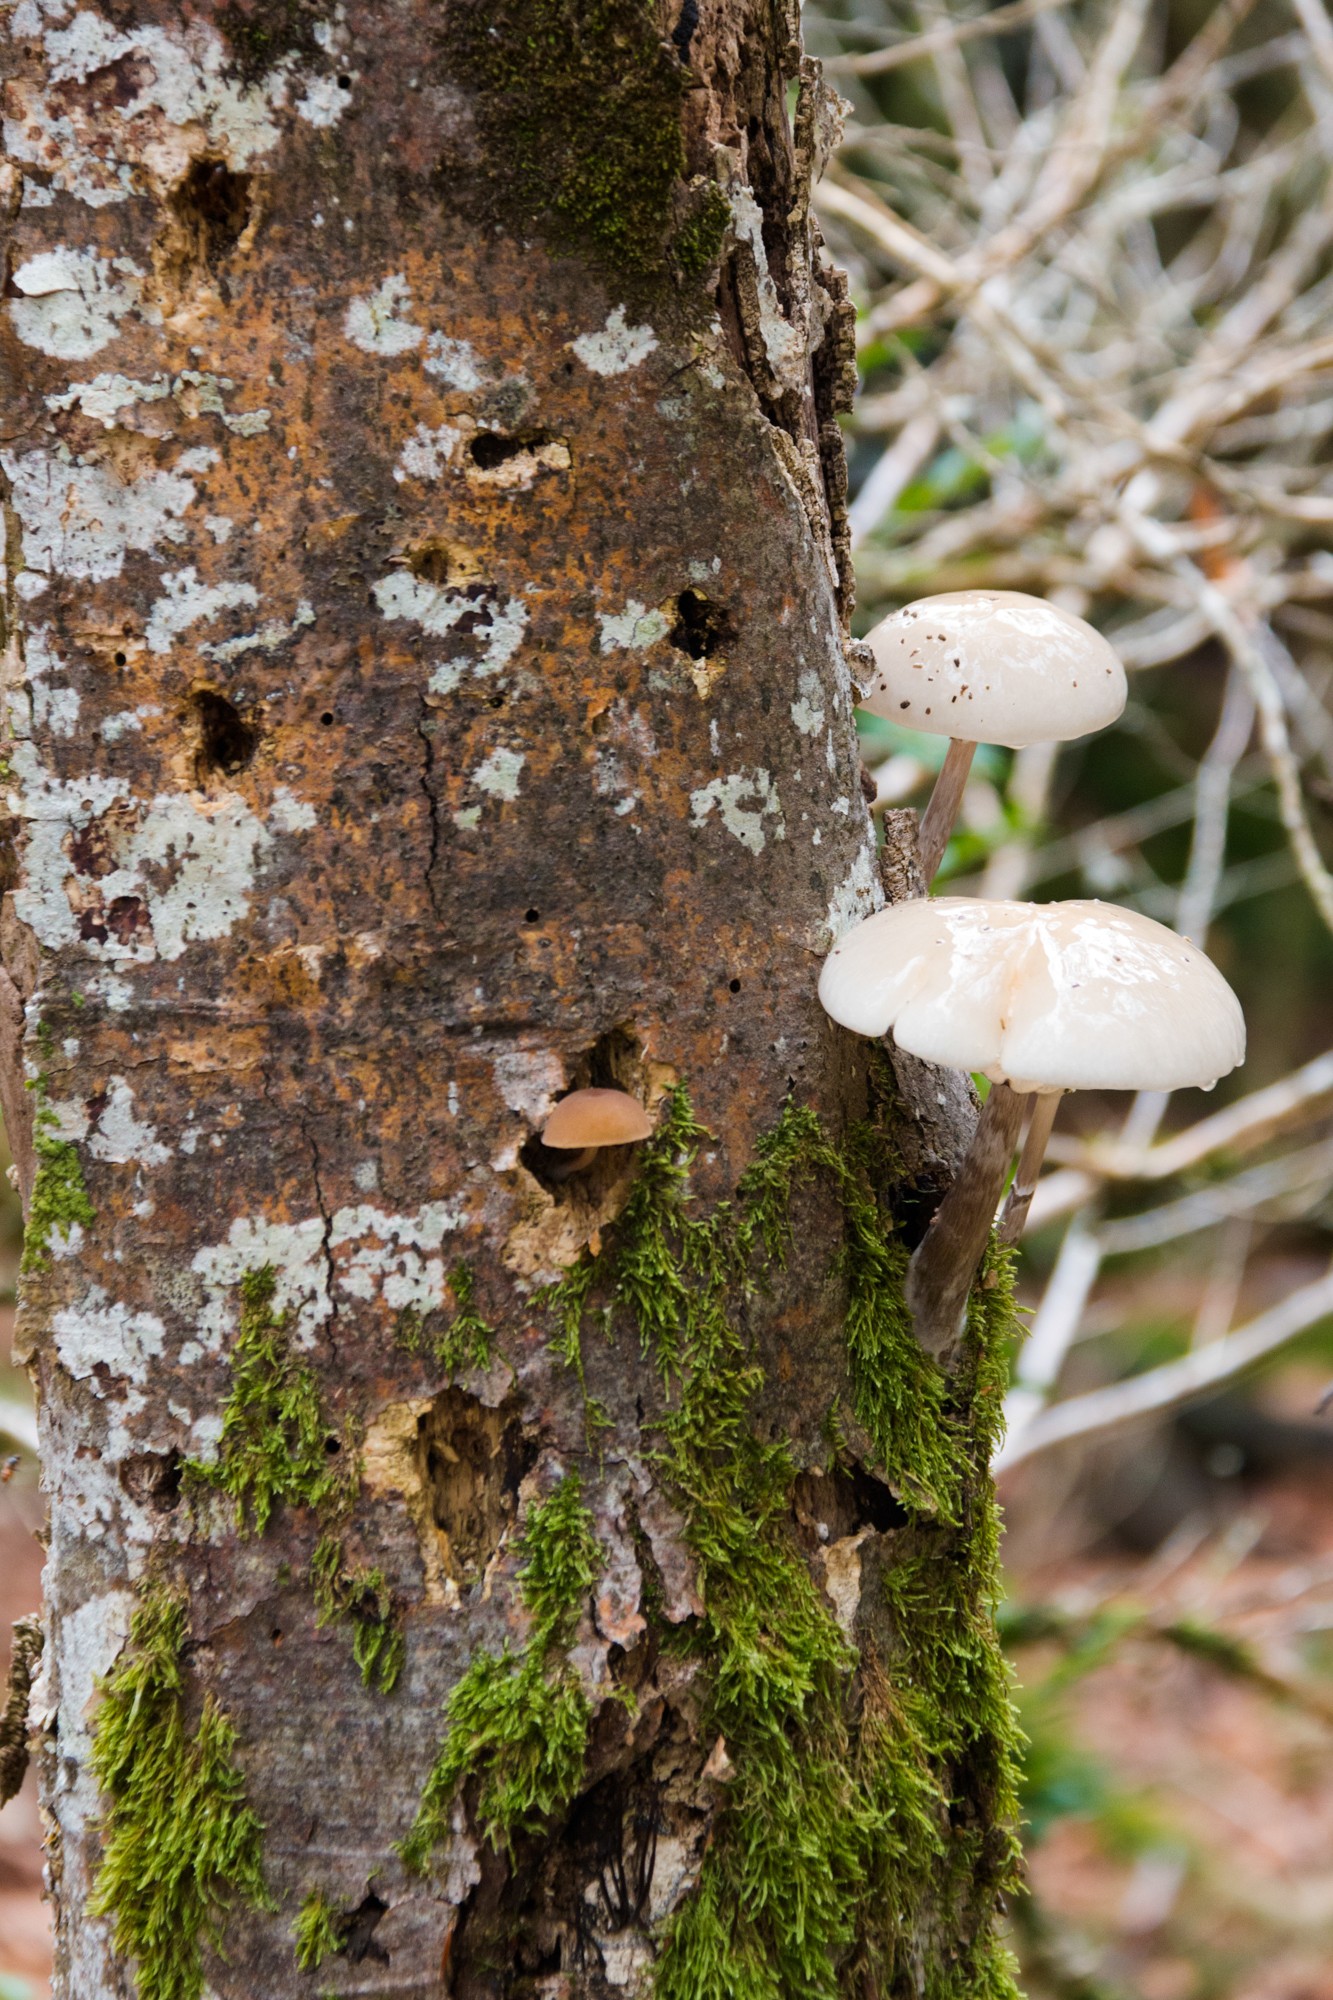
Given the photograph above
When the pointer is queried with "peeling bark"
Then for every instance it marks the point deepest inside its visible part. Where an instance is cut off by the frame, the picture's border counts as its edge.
(427, 691)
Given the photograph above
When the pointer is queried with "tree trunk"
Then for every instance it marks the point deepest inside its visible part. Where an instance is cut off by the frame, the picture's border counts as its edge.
(426, 692)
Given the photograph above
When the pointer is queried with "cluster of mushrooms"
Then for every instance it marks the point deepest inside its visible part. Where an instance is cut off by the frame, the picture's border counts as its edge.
(1038, 998)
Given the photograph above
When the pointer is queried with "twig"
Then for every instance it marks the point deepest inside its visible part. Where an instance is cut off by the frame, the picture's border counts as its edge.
(950, 35)
(1195, 1374)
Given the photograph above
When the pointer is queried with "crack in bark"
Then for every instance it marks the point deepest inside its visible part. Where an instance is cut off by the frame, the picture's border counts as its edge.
(326, 1240)
(432, 804)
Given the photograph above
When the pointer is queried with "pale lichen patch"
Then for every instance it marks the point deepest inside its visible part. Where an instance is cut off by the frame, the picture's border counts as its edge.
(631, 629)
(108, 394)
(428, 453)
(185, 601)
(783, 346)
(271, 635)
(528, 1079)
(121, 1137)
(288, 813)
(395, 1257)
(189, 863)
(101, 1335)
(293, 1251)
(745, 822)
(81, 519)
(178, 97)
(454, 362)
(71, 302)
(808, 712)
(616, 348)
(379, 324)
(859, 892)
(498, 774)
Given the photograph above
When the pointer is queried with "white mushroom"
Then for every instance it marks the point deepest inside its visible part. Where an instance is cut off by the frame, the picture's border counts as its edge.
(988, 666)
(1040, 998)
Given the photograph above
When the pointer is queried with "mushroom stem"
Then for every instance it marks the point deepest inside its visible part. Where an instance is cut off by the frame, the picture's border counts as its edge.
(942, 810)
(568, 1168)
(945, 1261)
(1029, 1165)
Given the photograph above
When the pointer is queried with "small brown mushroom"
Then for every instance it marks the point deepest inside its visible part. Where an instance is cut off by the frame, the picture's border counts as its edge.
(589, 1119)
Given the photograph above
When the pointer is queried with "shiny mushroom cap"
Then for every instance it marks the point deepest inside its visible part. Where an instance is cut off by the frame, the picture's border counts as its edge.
(994, 666)
(596, 1118)
(1041, 996)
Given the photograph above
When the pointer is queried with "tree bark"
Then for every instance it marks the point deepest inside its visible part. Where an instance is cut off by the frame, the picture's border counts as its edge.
(426, 691)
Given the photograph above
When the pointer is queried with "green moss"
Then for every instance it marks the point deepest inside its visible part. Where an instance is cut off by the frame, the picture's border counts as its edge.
(698, 241)
(317, 1931)
(180, 1844)
(561, 1562)
(581, 101)
(275, 1450)
(262, 36)
(519, 1721)
(346, 1589)
(838, 1840)
(59, 1196)
(275, 1440)
(468, 1341)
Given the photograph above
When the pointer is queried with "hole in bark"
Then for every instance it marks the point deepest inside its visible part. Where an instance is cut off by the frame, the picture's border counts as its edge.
(613, 1833)
(532, 916)
(119, 659)
(683, 32)
(359, 1935)
(211, 206)
(701, 626)
(275, 1636)
(153, 1478)
(844, 1500)
(733, 985)
(344, 83)
(327, 718)
(490, 449)
(332, 1446)
(612, 1063)
(472, 1462)
(227, 742)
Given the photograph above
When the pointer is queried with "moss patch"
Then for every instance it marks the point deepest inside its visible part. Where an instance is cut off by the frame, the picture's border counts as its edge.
(582, 105)
(468, 1341)
(180, 1842)
(519, 1721)
(278, 1448)
(347, 1589)
(275, 1440)
(317, 1932)
(59, 1197)
(873, 1799)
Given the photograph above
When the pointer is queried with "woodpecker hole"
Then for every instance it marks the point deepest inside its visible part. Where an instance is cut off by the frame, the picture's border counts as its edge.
(702, 627)
(227, 742)
(490, 449)
(212, 206)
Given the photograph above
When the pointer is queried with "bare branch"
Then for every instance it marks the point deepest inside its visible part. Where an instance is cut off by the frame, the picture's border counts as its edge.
(1196, 1374)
